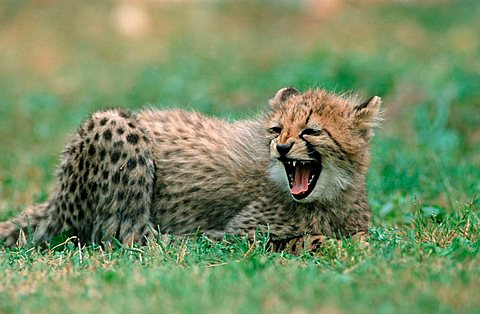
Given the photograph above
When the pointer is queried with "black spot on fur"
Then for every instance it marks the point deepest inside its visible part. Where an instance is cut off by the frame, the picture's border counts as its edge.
(131, 164)
(85, 176)
(80, 164)
(91, 150)
(141, 160)
(120, 196)
(103, 121)
(69, 221)
(118, 144)
(102, 154)
(73, 186)
(83, 194)
(120, 131)
(132, 138)
(141, 181)
(133, 126)
(116, 178)
(124, 114)
(96, 137)
(105, 174)
(114, 157)
(91, 125)
(95, 170)
(125, 179)
(107, 135)
(71, 208)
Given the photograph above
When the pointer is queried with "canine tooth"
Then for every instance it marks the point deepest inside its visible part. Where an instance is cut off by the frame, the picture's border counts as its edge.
(303, 163)
(294, 163)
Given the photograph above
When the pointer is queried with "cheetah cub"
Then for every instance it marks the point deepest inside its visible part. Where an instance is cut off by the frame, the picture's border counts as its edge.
(297, 169)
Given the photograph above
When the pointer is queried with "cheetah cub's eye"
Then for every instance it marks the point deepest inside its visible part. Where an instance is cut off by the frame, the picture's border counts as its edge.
(275, 130)
(311, 131)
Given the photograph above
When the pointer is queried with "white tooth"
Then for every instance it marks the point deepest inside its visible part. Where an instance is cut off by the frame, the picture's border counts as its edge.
(294, 163)
(303, 163)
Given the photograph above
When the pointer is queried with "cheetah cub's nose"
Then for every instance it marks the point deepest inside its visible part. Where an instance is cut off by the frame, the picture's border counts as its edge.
(283, 149)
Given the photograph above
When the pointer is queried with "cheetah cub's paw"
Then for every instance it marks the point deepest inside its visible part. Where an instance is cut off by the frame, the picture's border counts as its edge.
(313, 243)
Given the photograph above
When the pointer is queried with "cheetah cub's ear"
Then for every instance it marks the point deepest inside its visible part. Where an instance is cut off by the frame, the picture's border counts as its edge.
(282, 95)
(368, 115)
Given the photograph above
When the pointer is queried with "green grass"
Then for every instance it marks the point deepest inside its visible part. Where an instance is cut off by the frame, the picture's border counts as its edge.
(59, 61)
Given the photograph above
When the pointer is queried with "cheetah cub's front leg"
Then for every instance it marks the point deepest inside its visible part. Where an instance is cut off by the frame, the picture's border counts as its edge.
(312, 243)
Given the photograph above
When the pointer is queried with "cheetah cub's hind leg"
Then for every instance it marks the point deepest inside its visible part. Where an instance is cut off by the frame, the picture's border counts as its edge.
(108, 175)
(104, 186)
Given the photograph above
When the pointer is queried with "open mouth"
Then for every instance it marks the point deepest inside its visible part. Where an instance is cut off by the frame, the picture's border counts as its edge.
(302, 176)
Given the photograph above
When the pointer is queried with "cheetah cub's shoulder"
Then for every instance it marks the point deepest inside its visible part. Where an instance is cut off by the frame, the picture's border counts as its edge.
(297, 169)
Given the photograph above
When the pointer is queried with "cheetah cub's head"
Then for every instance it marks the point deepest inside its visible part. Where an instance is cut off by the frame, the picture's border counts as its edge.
(319, 142)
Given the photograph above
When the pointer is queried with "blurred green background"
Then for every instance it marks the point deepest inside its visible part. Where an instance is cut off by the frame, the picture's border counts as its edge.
(61, 60)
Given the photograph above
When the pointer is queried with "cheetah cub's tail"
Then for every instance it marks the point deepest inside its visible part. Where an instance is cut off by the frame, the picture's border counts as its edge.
(33, 224)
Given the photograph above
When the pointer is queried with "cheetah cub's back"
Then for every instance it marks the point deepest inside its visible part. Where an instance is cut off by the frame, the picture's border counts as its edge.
(297, 169)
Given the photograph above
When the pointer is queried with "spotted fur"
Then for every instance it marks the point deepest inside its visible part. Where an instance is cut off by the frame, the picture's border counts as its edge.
(125, 175)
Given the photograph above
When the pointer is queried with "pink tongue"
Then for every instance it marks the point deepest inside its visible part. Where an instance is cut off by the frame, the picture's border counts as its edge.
(300, 183)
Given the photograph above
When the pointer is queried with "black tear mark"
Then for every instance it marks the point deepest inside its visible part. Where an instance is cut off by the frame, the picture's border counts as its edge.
(309, 115)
